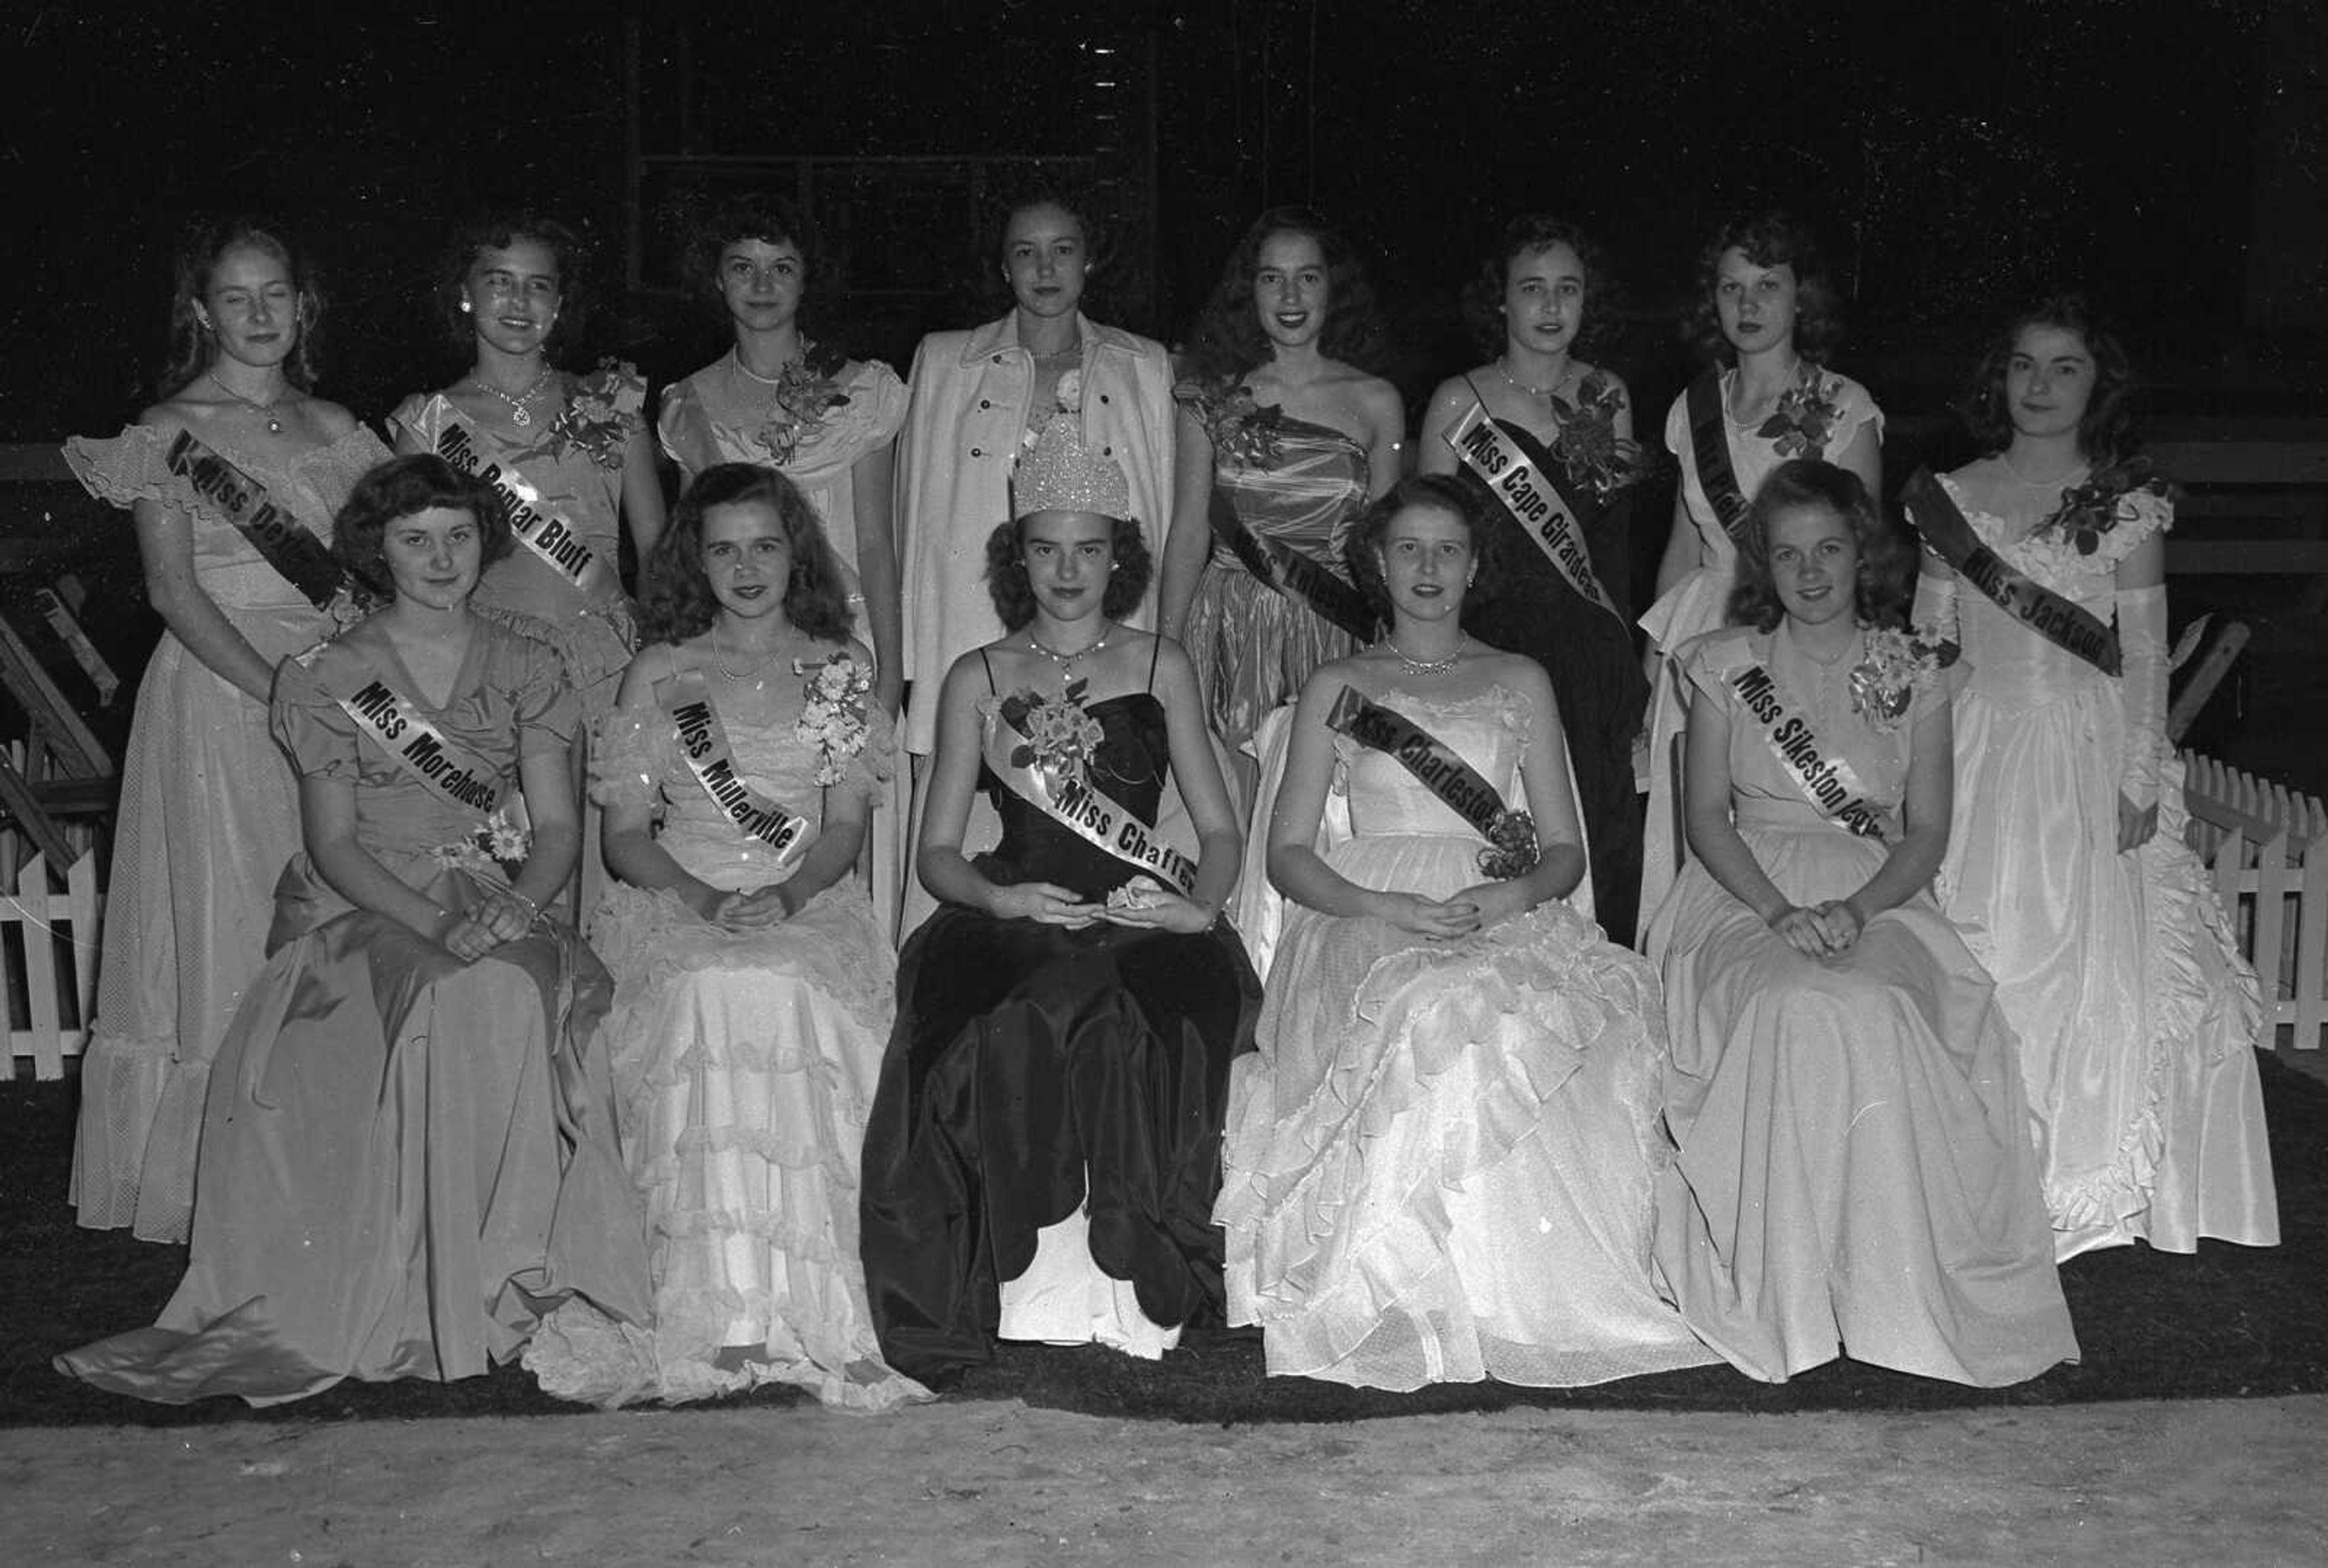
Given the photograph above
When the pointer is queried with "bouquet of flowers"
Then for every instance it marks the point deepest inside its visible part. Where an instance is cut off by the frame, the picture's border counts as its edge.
(834, 718)
(497, 847)
(1060, 735)
(1244, 433)
(1806, 415)
(1898, 665)
(603, 410)
(1511, 849)
(2092, 510)
(805, 396)
(1588, 445)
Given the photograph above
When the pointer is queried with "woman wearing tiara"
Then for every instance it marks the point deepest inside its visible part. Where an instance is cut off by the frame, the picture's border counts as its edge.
(751, 990)
(209, 813)
(1855, 1174)
(408, 1151)
(1547, 441)
(1285, 434)
(569, 454)
(979, 399)
(2114, 960)
(1439, 1164)
(1768, 317)
(1045, 1145)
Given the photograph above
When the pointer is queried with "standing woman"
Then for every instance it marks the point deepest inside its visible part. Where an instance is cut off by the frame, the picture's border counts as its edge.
(979, 399)
(208, 812)
(1546, 443)
(569, 454)
(779, 398)
(2068, 868)
(1768, 317)
(1285, 434)
(1044, 1146)
(409, 1153)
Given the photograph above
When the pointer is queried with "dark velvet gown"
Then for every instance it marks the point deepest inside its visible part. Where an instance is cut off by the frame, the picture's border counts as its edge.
(1596, 674)
(1031, 1061)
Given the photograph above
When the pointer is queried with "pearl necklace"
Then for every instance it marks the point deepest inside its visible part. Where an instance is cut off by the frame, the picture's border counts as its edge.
(520, 403)
(801, 359)
(1429, 666)
(1517, 385)
(1066, 662)
(263, 410)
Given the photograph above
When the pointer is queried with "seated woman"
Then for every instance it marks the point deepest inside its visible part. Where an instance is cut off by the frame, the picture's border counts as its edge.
(1856, 1170)
(408, 1149)
(1044, 1146)
(1439, 1165)
(751, 990)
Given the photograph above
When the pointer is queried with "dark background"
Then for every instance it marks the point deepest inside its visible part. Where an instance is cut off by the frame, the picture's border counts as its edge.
(1956, 158)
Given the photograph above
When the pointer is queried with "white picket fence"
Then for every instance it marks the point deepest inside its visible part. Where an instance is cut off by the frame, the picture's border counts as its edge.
(48, 963)
(2266, 849)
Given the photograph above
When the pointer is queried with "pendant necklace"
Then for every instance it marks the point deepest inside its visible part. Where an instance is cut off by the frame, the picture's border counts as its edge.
(1066, 662)
(521, 402)
(263, 410)
(1429, 666)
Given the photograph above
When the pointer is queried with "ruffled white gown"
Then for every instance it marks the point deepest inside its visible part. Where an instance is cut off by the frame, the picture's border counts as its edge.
(1437, 1167)
(744, 1066)
(2137, 1016)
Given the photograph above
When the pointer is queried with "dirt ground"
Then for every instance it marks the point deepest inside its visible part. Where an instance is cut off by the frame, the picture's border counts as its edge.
(2219, 1483)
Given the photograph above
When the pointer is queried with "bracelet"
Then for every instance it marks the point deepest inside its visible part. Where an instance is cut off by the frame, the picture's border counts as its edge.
(533, 910)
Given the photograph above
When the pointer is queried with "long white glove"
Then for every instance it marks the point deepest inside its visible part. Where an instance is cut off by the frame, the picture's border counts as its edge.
(2142, 688)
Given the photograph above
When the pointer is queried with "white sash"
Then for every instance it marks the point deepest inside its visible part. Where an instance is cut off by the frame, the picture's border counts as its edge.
(421, 750)
(556, 542)
(1827, 783)
(1083, 810)
(686, 696)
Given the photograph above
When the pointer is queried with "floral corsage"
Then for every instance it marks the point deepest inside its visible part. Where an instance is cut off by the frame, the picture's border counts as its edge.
(2093, 509)
(1511, 849)
(1898, 665)
(496, 848)
(804, 396)
(605, 407)
(1588, 445)
(1244, 433)
(1059, 736)
(834, 718)
(1806, 415)
(1139, 893)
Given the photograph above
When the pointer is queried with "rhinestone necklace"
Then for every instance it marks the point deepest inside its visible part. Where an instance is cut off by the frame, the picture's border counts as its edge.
(1067, 660)
(1429, 666)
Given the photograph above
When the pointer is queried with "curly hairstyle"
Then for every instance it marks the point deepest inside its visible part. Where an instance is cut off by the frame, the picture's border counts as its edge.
(1227, 340)
(1887, 563)
(756, 215)
(497, 231)
(1770, 240)
(1483, 297)
(1446, 492)
(1014, 595)
(2105, 433)
(192, 342)
(399, 488)
(1038, 190)
(677, 602)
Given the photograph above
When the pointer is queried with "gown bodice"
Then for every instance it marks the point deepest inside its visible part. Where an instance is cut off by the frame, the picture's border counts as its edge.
(1489, 731)
(2014, 666)
(1130, 765)
(1306, 495)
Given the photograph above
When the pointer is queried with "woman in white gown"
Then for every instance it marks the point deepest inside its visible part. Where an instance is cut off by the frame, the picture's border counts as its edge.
(1439, 1165)
(1768, 318)
(2068, 869)
(1855, 1171)
(751, 989)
